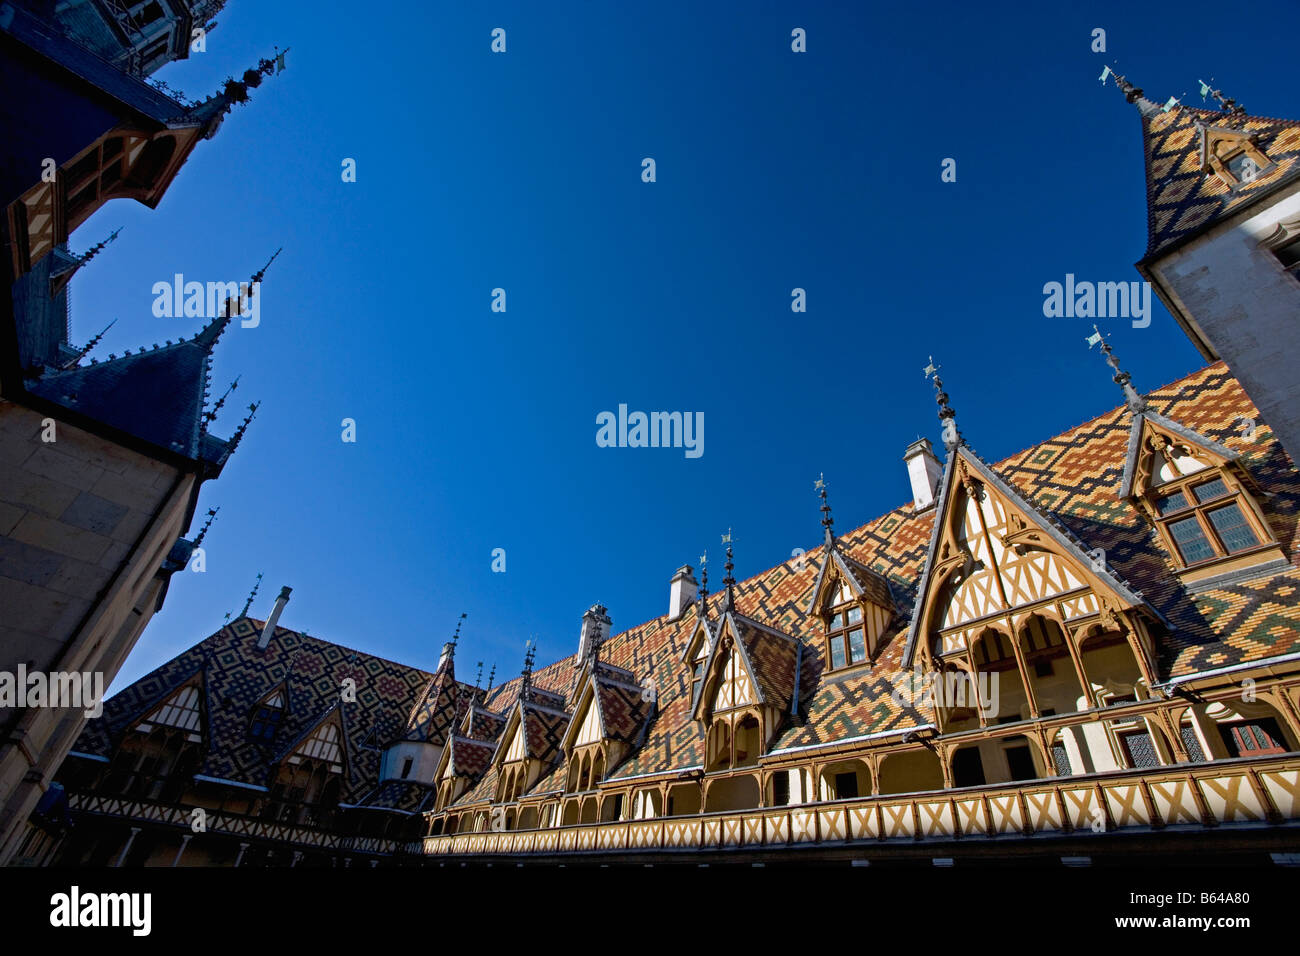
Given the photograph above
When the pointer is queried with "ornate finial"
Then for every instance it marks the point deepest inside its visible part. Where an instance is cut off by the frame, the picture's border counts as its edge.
(210, 416)
(212, 516)
(478, 677)
(1229, 105)
(73, 363)
(227, 620)
(827, 520)
(492, 675)
(95, 249)
(1135, 402)
(234, 305)
(951, 436)
(704, 584)
(251, 594)
(729, 582)
(238, 436)
(527, 673)
(455, 638)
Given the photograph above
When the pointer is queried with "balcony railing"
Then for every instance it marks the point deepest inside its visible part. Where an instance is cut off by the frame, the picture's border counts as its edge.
(247, 826)
(1226, 793)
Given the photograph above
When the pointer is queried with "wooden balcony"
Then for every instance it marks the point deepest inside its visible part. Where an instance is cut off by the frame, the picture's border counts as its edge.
(1241, 793)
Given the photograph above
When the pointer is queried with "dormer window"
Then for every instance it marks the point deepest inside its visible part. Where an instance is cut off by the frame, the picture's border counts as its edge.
(845, 638)
(1205, 520)
(1230, 155)
(1243, 167)
(266, 719)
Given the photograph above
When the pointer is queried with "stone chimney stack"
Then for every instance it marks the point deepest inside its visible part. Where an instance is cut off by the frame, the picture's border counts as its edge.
(924, 470)
(595, 630)
(682, 591)
(269, 630)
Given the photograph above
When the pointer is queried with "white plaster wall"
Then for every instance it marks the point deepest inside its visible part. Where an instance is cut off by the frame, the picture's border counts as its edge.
(1248, 308)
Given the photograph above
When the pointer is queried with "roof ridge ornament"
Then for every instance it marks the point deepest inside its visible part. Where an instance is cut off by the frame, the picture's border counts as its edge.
(212, 516)
(1133, 94)
(827, 520)
(1227, 103)
(1135, 402)
(90, 346)
(729, 582)
(952, 437)
(704, 586)
(212, 332)
(252, 594)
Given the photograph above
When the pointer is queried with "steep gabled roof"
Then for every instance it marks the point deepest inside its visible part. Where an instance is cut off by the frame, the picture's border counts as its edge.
(1183, 200)
(619, 701)
(1061, 535)
(237, 676)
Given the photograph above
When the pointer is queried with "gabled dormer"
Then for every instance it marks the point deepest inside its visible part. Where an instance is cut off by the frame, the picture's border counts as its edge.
(268, 714)
(610, 712)
(1009, 595)
(855, 607)
(1232, 155)
(1200, 499)
(529, 745)
(462, 763)
(749, 691)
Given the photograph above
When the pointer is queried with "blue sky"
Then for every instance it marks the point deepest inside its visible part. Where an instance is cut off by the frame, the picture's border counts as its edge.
(775, 170)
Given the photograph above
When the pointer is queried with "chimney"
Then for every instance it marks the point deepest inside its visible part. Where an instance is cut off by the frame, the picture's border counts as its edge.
(924, 470)
(682, 591)
(274, 619)
(595, 629)
(448, 650)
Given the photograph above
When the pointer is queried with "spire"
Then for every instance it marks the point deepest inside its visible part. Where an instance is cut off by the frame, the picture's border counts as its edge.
(449, 649)
(238, 436)
(64, 267)
(1229, 105)
(210, 416)
(827, 520)
(702, 598)
(73, 363)
(213, 110)
(478, 677)
(212, 516)
(729, 601)
(527, 673)
(1132, 94)
(251, 594)
(97, 247)
(1136, 403)
(211, 332)
(951, 436)
(492, 675)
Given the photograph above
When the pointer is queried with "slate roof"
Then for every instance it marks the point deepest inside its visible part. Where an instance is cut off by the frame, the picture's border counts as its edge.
(47, 41)
(157, 395)
(1183, 201)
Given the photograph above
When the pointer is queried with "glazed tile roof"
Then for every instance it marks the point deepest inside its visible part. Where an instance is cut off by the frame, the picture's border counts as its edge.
(468, 757)
(1183, 201)
(1071, 481)
(236, 676)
